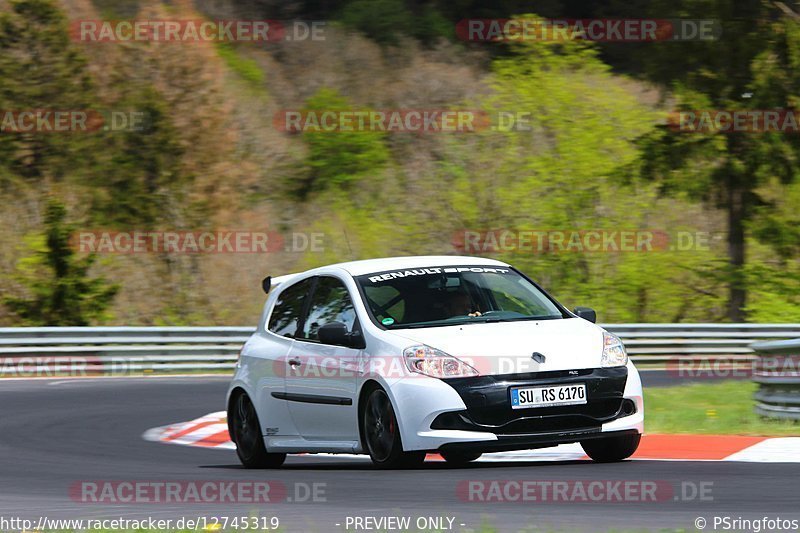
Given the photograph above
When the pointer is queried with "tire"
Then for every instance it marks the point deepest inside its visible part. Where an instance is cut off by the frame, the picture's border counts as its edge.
(245, 431)
(460, 458)
(381, 434)
(611, 449)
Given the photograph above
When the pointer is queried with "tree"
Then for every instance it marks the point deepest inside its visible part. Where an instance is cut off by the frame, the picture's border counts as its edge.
(142, 171)
(336, 159)
(752, 66)
(61, 291)
(387, 21)
(40, 69)
(558, 170)
(576, 130)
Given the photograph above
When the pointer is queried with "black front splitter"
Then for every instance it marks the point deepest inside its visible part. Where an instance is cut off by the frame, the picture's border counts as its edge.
(505, 443)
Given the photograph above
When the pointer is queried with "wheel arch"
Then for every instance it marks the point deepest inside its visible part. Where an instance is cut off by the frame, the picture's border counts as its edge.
(233, 395)
(367, 387)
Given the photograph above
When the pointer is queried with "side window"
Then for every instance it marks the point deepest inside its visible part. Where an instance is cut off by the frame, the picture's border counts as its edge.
(330, 303)
(387, 302)
(285, 315)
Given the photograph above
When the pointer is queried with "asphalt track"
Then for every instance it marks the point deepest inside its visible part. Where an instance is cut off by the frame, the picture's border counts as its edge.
(56, 433)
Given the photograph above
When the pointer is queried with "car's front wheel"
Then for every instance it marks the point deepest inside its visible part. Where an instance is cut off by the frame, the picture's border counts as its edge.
(382, 434)
(245, 432)
(611, 449)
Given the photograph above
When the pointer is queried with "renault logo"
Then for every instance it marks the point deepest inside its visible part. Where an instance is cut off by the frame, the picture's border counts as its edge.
(539, 358)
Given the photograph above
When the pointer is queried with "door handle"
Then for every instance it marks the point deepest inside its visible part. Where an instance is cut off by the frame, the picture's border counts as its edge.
(295, 362)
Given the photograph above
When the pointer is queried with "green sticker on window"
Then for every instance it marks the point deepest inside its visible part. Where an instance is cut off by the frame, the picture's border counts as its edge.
(387, 321)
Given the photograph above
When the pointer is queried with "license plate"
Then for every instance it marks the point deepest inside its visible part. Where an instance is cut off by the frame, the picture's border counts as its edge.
(523, 398)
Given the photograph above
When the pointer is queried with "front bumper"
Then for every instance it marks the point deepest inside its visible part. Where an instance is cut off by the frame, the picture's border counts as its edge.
(488, 410)
(488, 405)
(475, 413)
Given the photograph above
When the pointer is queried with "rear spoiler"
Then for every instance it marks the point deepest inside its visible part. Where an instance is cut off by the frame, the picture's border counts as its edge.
(269, 283)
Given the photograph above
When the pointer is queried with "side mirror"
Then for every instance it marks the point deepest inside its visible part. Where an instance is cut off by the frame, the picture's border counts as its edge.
(336, 333)
(586, 313)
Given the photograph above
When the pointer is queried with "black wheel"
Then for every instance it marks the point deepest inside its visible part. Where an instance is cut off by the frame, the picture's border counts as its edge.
(382, 435)
(460, 458)
(611, 449)
(245, 432)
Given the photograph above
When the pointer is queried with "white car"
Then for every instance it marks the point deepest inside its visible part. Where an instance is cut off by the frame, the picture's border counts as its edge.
(402, 356)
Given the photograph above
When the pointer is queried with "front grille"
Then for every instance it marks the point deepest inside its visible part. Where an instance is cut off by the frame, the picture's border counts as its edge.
(487, 399)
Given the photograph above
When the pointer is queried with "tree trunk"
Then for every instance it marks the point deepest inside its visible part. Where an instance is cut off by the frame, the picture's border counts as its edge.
(736, 251)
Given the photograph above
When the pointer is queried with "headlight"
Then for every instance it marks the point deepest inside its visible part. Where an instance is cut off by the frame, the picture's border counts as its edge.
(614, 353)
(435, 363)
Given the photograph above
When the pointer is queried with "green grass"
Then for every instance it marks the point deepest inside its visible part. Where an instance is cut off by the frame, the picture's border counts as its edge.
(712, 409)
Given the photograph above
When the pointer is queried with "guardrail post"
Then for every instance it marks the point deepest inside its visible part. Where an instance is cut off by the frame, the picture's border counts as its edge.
(777, 373)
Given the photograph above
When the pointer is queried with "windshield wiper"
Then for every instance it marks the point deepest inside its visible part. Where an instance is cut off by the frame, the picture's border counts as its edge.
(491, 319)
(475, 320)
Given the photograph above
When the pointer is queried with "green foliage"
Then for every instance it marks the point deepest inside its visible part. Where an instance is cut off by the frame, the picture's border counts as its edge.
(774, 295)
(141, 176)
(430, 25)
(385, 21)
(737, 172)
(246, 68)
(561, 173)
(593, 156)
(60, 290)
(40, 69)
(381, 20)
(118, 9)
(338, 158)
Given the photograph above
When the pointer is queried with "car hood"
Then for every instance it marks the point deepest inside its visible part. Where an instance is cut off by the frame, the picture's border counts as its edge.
(508, 347)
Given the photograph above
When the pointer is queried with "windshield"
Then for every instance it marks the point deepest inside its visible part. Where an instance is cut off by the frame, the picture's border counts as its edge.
(442, 296)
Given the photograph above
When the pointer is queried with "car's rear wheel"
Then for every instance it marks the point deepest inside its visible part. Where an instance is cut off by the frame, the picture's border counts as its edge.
(460, 458)
(382, 434)
(245, 432)
(611, 449)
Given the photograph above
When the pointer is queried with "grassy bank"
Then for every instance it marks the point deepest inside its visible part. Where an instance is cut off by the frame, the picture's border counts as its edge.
(713, 408)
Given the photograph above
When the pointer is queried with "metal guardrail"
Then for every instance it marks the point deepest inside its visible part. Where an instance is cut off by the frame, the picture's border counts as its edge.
(675, 344)
(36, 351)
(118, 350)
(777, 372)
